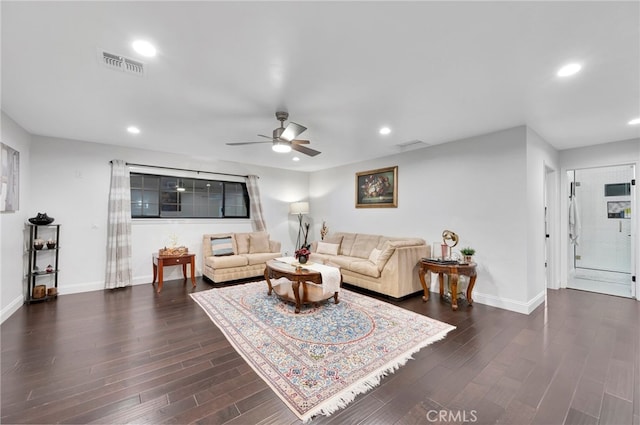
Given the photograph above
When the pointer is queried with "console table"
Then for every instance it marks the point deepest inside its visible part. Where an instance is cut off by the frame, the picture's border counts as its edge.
(160, 261)
(453, 271)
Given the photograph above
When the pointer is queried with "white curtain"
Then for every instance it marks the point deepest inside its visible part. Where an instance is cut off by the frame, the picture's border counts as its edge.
(119, 272)
(257, 220)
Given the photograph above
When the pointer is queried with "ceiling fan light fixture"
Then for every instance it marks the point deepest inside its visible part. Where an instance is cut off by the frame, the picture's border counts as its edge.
(281, 147)
(634, 121)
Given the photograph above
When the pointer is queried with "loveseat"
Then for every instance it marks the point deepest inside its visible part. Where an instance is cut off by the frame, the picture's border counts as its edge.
(383, 264)
(232, 256)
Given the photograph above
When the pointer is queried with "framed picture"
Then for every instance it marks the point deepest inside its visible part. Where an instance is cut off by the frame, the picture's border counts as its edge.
(9, 179)
(377, 188)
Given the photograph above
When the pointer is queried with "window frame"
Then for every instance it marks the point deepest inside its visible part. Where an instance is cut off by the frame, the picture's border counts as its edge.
(159, 190)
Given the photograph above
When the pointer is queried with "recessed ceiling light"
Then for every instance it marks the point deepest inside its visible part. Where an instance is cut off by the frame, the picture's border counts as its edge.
(295, 158)
(144, 48)
(634, 121)
(569, 69)
(385, 130)
(133, 130)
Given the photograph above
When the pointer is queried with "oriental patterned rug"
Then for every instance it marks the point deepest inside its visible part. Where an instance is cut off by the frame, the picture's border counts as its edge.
(319, 360)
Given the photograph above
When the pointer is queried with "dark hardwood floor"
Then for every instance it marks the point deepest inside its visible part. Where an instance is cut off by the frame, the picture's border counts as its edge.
(132, 356)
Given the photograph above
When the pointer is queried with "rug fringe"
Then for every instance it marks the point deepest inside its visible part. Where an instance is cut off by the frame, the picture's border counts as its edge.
(347, 396)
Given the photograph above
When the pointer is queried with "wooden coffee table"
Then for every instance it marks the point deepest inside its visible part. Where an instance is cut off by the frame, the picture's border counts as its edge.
(299, 277)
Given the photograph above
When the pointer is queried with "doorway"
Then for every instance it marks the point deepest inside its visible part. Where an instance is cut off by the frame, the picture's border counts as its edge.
(600, 229)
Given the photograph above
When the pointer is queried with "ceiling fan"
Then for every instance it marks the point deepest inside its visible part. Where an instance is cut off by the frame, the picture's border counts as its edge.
(284, 138)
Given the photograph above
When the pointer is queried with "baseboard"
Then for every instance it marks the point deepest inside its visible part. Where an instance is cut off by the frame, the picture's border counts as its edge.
(97, 286)
(11, 308)
(508, 304)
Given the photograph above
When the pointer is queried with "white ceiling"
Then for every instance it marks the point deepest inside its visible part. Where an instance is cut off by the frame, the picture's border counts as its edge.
(432, 71)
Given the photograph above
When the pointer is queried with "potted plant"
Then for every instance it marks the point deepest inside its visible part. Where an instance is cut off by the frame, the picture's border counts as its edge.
(468, 252)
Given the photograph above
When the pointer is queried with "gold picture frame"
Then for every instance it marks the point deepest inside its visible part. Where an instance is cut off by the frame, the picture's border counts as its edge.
(377, 188)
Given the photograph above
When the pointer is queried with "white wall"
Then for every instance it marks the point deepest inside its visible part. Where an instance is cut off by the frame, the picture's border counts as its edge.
(70, 181)
(489, 189)
(475, 187)
(615, 153)
(12, 224)
(541, 157)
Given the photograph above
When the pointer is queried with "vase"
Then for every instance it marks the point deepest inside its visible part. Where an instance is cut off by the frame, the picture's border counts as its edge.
(41, 219)
(303, 259)
(468, 259)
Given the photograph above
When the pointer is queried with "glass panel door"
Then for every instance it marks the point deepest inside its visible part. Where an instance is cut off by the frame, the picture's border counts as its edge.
(603, 252)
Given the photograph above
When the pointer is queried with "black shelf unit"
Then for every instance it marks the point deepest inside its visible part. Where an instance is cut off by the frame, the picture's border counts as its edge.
(35, 271)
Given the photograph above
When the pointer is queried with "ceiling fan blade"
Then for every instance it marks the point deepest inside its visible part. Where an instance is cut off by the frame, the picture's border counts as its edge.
(305, 150)
(300, 142)
(268, 137)
(246, 143)
(292, 131)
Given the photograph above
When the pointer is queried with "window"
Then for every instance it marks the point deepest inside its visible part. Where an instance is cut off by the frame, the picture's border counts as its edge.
(154, 196)
(617, 189)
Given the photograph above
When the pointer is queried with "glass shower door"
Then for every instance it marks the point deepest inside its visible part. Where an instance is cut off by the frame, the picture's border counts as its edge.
(602, 257)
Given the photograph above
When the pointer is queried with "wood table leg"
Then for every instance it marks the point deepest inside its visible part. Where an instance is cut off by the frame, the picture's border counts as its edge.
(155, 272)
(266, 277)
(472, 282)
(453, 284)
(193, 271)
(295, 285)
(441, 282)
(184, 271)
(421, 274)
(160, 274)
(335, 298)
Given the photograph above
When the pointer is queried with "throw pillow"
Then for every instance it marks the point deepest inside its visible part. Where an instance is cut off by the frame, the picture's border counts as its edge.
(242, 243)
(328, 248)
(258, 242)
(375, 254)
(222, 246)
(387, 251)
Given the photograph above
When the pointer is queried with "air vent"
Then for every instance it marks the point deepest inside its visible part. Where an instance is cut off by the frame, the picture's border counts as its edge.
(413, 144)
(121, 63)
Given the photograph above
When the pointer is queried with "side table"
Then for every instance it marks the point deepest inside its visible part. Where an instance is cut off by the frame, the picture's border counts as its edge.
(453, 271)
(160, 261)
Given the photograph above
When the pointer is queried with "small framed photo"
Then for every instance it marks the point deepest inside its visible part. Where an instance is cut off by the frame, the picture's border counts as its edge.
(377, 188)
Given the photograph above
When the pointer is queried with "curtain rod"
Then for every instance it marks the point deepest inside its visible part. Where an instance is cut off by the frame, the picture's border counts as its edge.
(182, 169)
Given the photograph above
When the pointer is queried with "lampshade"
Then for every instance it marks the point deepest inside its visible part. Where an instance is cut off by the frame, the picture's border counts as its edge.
(299, 208)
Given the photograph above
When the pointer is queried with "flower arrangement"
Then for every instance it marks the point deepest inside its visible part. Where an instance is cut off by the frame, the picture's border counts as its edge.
(324, 230)
(302, 252)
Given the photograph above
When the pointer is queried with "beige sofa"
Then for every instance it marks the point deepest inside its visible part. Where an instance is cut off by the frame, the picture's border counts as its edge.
(232, 256)
(387, 265)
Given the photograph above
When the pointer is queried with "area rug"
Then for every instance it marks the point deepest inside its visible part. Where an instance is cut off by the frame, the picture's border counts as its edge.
(317, 361)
